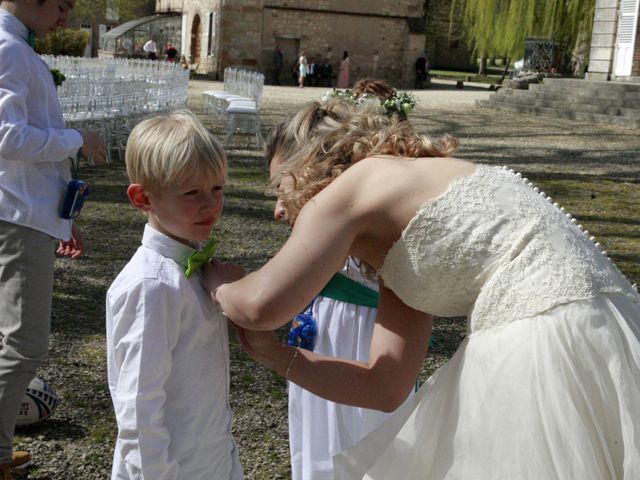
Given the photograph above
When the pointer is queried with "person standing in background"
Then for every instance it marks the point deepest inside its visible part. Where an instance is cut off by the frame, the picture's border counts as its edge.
(343, 75)
(326, 73)
(150, 49)
(422, 65)
(171, 53)
(302, 69)
(278, 62)
(312, 69)
(34, 171)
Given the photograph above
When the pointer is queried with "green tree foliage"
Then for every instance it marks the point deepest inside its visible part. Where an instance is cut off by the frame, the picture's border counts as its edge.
(94, 10)
(500, 27)
(65, 41)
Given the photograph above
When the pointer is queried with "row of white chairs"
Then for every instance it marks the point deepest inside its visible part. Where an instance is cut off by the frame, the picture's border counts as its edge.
(238, 104)
(112, 95)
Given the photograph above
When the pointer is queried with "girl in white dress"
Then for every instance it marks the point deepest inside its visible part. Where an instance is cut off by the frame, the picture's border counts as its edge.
(344, 314)
(547, 383)
(302, 69)
(319, 428)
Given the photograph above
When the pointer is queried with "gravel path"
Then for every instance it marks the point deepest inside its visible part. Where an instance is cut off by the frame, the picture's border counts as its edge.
(527, 142)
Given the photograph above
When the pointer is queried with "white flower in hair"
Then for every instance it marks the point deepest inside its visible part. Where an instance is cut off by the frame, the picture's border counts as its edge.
(401, 102)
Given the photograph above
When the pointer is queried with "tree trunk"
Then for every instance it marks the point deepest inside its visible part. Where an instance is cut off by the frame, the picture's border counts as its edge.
(580, 54)
(483, 65)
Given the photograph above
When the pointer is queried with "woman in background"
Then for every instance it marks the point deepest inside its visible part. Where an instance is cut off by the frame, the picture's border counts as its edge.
(302, 72)
(343, 75)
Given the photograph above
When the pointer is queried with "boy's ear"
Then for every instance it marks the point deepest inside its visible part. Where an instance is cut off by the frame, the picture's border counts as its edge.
(138, 197)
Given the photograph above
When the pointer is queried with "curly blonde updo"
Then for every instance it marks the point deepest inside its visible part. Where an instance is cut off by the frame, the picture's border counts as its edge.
(373, 86)
(322, 140)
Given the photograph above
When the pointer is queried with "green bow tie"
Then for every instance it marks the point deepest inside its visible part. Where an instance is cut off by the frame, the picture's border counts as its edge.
(199, 258)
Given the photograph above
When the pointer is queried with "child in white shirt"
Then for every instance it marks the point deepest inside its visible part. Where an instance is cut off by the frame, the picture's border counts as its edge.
(167, 345)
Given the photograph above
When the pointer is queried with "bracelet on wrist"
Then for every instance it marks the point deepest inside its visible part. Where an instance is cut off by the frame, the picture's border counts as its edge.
(293, 357)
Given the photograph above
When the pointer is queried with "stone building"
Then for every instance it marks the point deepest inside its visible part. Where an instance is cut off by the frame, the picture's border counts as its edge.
(615, 42)
(383, 37)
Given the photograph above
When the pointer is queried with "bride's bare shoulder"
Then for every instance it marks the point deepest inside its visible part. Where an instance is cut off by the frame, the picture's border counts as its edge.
(390, 168)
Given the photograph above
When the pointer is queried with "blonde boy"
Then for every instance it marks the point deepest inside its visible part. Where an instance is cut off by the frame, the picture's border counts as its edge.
(167, 346)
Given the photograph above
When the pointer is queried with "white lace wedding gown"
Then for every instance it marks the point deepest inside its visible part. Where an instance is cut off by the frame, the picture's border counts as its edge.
(547, 384)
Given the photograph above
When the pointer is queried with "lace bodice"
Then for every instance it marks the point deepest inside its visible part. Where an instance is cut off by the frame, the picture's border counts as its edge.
(494, 249)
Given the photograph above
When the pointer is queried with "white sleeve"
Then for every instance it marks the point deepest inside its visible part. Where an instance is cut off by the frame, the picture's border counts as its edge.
(145, 325)
(20, 141)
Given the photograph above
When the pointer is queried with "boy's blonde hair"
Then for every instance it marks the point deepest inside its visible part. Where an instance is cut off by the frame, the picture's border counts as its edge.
(164, 150)
(322, 140)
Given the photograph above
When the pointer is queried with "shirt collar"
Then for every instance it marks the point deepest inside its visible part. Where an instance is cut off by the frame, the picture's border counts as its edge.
(166, 246)
(13, 25)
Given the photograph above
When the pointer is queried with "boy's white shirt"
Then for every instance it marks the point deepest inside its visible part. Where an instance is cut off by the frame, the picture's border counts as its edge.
(168, 368)
(34, 145)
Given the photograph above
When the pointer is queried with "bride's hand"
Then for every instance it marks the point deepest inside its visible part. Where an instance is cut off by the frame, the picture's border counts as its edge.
(217, 273)
(257, 344)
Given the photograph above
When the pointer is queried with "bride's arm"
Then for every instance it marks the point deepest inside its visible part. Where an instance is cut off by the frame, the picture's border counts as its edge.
(398, 347)
(317, 248)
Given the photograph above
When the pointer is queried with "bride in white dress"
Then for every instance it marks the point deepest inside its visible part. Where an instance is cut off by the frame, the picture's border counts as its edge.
(547, 383)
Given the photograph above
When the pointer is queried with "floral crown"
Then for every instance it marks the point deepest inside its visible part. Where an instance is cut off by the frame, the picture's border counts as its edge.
(401, 102)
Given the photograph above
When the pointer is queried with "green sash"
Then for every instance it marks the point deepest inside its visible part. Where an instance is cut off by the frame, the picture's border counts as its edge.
(346, 290)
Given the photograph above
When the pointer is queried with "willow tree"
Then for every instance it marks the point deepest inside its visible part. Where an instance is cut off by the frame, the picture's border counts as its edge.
(94, 10)
(500, 27)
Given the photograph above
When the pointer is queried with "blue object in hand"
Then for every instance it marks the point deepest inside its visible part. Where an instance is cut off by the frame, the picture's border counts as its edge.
(74, 196)
(303, 331)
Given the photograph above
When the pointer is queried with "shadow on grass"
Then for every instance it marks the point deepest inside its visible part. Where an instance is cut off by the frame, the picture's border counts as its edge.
(234, 192)
(53, 429)
(603, 219)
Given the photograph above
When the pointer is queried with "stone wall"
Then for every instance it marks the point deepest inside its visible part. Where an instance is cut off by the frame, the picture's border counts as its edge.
(378, 46)
(635, 69)
(241, 34)
(401, 8)
(603, 40)
(375, 33)
(209, 13)
(163, 6)
(603, 43)
(415, 48)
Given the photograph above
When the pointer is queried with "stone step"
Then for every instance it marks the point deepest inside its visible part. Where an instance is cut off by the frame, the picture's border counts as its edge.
(588, 91)
(523, 97)
(588, 95)
(614, 103)
(575, 97)
(628, 79)
(629, 87)
(561, 113)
